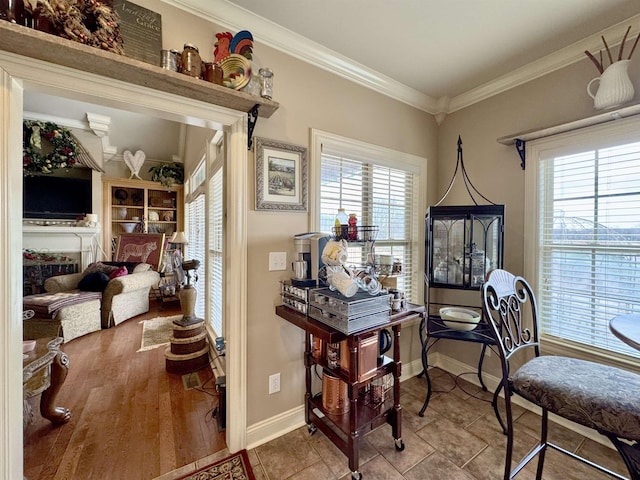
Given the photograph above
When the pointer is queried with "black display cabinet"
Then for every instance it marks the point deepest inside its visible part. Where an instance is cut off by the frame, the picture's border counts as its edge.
(463, 243)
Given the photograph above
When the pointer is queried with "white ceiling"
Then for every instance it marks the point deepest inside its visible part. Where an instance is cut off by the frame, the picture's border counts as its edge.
(435, 54)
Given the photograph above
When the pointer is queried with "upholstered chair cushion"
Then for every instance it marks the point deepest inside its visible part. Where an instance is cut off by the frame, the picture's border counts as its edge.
(597, 396)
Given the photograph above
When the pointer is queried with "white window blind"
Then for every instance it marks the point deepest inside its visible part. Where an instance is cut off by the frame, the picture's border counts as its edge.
(379, 195)
(196, 247)
(216, 253)
(589, 240)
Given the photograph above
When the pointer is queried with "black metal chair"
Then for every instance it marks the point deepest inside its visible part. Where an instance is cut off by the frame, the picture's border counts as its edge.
(601, 397)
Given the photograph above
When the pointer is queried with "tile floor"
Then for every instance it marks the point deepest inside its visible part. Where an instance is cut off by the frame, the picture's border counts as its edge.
(457, 439)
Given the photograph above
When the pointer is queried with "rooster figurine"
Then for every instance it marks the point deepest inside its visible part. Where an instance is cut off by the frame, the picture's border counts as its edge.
(240, 43)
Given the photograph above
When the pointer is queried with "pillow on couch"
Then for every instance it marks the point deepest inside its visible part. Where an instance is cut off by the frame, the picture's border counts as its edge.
(142, 267)
(119, 272)
(94, 282)
(98, 267)
(132, 267)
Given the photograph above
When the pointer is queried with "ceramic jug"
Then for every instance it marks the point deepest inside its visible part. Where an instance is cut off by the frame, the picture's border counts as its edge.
(615, 86)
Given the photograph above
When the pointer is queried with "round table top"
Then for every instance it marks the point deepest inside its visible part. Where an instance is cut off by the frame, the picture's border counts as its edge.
(627, 329)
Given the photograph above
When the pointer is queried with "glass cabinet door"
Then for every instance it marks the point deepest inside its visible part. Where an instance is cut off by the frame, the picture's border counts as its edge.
(463, 244)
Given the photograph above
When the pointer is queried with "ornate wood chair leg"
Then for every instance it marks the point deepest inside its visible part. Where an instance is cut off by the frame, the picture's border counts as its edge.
(48, 410)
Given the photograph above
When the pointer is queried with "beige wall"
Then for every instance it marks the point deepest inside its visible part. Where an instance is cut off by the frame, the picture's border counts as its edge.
(309, 98)
(494, 168)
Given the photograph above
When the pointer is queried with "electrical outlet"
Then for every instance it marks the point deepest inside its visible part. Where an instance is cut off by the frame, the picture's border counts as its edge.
(277, 261)
(274, 383)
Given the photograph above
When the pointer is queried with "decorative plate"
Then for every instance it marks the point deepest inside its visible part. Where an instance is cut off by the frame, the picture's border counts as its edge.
(236, 71)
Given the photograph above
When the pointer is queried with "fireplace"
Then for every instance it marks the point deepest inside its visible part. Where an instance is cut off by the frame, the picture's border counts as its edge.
(56, 250)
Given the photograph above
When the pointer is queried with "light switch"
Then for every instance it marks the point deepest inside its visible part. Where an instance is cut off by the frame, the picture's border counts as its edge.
(277, 261)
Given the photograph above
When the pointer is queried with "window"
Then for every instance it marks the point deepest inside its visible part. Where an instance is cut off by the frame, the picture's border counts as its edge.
(196, 234)
(585, 207)
(382, 187)
(200, 223)
(216, 254)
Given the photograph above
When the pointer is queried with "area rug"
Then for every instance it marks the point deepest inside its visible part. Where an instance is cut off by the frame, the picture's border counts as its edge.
(234, 467)
(156, 332)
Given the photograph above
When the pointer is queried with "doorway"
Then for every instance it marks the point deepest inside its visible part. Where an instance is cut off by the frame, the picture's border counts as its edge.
(20, 75)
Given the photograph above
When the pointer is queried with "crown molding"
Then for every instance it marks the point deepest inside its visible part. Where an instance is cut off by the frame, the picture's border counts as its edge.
(275, 36)
(545, 65)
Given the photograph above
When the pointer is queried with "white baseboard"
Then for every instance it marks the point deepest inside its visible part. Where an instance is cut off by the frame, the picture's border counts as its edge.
(274, 427)
(410, 370)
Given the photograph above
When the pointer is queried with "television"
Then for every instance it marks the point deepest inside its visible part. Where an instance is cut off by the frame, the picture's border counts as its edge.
(64, 195)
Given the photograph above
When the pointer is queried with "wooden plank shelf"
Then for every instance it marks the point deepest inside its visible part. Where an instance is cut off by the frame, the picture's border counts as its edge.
(60, 51)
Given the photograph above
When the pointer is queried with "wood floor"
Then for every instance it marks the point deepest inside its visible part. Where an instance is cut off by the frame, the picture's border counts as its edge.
(130, 419)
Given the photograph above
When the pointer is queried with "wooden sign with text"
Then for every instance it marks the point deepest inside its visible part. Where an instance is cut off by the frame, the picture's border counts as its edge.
(141, 30)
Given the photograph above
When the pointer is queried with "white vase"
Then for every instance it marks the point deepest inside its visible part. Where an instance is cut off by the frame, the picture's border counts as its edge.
(122, 213)
(615, 86)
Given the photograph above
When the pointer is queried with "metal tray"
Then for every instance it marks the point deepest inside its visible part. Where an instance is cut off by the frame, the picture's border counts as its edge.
(346, 325)
(357, 306)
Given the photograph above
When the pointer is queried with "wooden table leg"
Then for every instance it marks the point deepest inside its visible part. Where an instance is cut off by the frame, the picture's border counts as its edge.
(59, 369)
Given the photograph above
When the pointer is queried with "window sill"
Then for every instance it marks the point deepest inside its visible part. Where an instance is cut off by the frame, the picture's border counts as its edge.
(555, 346)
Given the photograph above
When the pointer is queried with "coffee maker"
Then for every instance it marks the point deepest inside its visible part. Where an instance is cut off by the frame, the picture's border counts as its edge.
(308, 247)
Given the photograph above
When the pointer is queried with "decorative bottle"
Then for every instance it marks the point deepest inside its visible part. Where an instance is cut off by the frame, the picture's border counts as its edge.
(341, 225)
(353, 227)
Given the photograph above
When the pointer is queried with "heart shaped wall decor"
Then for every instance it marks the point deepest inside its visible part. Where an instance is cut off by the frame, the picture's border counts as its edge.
(134, 162)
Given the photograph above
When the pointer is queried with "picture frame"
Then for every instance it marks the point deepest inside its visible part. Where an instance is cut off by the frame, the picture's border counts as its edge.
(281, 176)
(140, 247)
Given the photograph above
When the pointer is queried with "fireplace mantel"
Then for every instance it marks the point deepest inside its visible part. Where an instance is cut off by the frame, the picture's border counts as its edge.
(64, 239)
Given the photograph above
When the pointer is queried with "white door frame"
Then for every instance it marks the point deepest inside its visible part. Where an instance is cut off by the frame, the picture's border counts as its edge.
(19, 75)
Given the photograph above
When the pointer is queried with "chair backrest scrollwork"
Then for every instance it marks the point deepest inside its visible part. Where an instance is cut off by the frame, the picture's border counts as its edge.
(509, 306)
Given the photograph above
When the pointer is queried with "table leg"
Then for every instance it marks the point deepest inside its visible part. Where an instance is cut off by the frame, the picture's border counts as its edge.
(59, 369)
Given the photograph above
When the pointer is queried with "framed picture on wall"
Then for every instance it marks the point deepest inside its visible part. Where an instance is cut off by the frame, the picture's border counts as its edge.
(281, 176)
(140, 247)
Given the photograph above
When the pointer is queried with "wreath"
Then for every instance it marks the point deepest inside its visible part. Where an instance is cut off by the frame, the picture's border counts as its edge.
(91, 22)
(46, 147)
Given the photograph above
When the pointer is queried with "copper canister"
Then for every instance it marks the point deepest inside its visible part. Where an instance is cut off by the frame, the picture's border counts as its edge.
(334, 395)
(368, 357)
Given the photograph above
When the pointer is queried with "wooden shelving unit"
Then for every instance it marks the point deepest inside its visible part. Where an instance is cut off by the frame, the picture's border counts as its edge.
(124, 199)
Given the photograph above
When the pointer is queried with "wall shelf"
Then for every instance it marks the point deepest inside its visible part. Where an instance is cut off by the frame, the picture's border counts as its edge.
(520, 139)
(60, 51)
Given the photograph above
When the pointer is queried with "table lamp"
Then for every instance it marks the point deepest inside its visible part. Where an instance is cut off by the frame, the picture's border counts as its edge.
(179, 239)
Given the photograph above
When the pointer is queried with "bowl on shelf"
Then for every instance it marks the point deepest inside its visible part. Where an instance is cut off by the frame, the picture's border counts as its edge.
(459, 318)
(129, 227)
(28, 345)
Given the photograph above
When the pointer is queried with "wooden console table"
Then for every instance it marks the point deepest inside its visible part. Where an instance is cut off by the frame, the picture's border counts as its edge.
(345, 430)
(44, 370)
